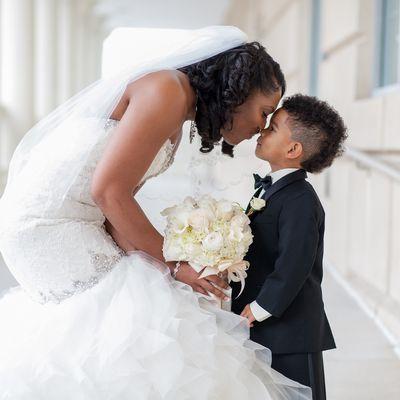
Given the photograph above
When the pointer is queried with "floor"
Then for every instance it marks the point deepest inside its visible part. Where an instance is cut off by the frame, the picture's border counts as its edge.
(363, 367)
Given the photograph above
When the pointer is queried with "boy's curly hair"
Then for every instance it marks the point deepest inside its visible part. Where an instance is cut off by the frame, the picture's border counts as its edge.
(224, 82)
(318, 127)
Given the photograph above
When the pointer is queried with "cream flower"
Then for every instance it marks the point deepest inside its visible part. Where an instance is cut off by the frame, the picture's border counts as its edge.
(240, 220)
(172, 251)
(213, 241)
(224, 210)
(257, 204)
(200, 219)
(189, 202)
(235, 233)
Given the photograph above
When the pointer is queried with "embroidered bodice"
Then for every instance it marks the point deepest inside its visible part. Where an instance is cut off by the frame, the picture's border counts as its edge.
(64, 247)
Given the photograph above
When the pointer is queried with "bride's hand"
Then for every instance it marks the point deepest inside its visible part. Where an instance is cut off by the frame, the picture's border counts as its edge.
(224, 275)
(188, 275)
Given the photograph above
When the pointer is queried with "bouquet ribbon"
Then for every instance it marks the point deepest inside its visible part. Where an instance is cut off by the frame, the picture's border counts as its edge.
(236, 272)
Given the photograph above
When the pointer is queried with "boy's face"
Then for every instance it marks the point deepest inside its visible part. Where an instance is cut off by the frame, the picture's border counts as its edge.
(251, 116)
(276, 145)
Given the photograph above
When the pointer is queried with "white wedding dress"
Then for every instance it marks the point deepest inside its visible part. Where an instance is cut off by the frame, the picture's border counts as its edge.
(89, 322)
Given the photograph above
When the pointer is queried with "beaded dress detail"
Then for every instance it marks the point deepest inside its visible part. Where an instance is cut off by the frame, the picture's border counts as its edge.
(77, 226)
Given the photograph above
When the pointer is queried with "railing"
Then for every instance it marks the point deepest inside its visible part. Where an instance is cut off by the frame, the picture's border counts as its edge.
(363, 235)
(372, 163)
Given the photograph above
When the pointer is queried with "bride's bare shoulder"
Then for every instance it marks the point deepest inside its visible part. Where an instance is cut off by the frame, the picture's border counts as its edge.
(160, 89)
(168, 82)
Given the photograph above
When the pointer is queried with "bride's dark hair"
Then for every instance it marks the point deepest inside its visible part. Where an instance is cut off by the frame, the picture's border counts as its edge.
(224, 82)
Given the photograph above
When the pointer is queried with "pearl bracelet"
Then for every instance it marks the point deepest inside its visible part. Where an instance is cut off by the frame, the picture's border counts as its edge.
(176, 269)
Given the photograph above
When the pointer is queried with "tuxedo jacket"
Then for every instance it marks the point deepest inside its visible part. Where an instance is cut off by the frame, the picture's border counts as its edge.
(285, 270)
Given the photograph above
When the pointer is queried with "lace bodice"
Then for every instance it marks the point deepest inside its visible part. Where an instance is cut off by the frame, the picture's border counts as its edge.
(56, 245)
(162, 161)
(81, 189)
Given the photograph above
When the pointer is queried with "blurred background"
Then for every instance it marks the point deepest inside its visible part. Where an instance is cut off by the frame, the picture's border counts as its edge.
(344, 51)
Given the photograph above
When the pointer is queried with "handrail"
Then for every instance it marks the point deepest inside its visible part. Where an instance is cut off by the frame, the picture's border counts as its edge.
(373, 163)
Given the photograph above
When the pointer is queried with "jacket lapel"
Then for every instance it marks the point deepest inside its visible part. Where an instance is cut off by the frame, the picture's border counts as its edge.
(276, 187)
(285, 181)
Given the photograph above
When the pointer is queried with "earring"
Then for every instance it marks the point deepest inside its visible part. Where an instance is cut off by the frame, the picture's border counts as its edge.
(193, 127)
(193, 131)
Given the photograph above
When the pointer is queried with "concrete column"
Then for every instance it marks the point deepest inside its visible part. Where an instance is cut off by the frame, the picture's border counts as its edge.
(95, 37)
(16, 67)
(81, 23)
(45, 57)
(66, 53)
(88, 45)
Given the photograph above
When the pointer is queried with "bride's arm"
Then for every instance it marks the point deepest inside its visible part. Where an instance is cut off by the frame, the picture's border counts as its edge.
(155, 113)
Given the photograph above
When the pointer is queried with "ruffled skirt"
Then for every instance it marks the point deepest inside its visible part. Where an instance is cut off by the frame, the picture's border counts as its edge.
(138, 334)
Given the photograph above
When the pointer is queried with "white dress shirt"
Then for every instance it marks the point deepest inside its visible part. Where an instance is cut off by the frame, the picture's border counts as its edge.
(260, 314)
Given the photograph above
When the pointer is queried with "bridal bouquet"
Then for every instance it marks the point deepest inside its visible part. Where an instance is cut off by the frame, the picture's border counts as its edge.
(213, 236)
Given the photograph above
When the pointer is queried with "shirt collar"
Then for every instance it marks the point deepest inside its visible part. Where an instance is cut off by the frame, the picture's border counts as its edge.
(281, 173)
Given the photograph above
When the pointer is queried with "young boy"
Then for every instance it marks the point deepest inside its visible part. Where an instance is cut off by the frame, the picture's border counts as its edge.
(282, 299)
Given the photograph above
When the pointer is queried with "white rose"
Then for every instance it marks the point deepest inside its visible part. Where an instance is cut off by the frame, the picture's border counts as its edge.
(240, 220)
(172, 251)
(189, 202)
(180, 222)
(224, 210)
(207, 202)
(199, 219)
(235, 233)
(177, 219)
(257, 204)
(213, 241)
(193, 249)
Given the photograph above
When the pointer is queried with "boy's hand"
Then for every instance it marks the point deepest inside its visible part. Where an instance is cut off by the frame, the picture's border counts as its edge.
(249, 315)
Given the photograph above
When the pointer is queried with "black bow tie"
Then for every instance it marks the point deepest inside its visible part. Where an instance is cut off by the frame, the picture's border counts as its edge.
(265, 183)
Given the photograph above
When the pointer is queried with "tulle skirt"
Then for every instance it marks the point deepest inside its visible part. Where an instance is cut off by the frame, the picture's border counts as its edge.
(138, 334)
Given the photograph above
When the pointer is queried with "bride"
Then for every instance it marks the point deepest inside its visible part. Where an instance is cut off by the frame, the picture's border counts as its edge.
(99, 314)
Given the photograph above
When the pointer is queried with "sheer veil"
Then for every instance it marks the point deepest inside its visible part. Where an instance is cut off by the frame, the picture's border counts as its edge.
(98, 100)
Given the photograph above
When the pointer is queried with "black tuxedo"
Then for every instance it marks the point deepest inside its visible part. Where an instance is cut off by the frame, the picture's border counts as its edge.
(285, 277)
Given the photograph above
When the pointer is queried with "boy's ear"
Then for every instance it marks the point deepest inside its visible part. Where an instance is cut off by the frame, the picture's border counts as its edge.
(295, 150)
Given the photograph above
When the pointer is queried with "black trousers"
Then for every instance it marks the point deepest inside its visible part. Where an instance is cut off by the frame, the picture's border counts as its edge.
(307, 369)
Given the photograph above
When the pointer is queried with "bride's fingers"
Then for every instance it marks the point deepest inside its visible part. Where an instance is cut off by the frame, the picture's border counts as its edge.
(223, 275)
(212, 289)
(220, 282)
(199, 289)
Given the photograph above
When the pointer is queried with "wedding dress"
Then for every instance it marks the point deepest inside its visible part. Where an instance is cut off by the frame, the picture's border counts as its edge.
(94, 323)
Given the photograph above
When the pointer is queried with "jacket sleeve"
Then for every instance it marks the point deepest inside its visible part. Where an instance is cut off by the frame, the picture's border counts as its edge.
(298, 224)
